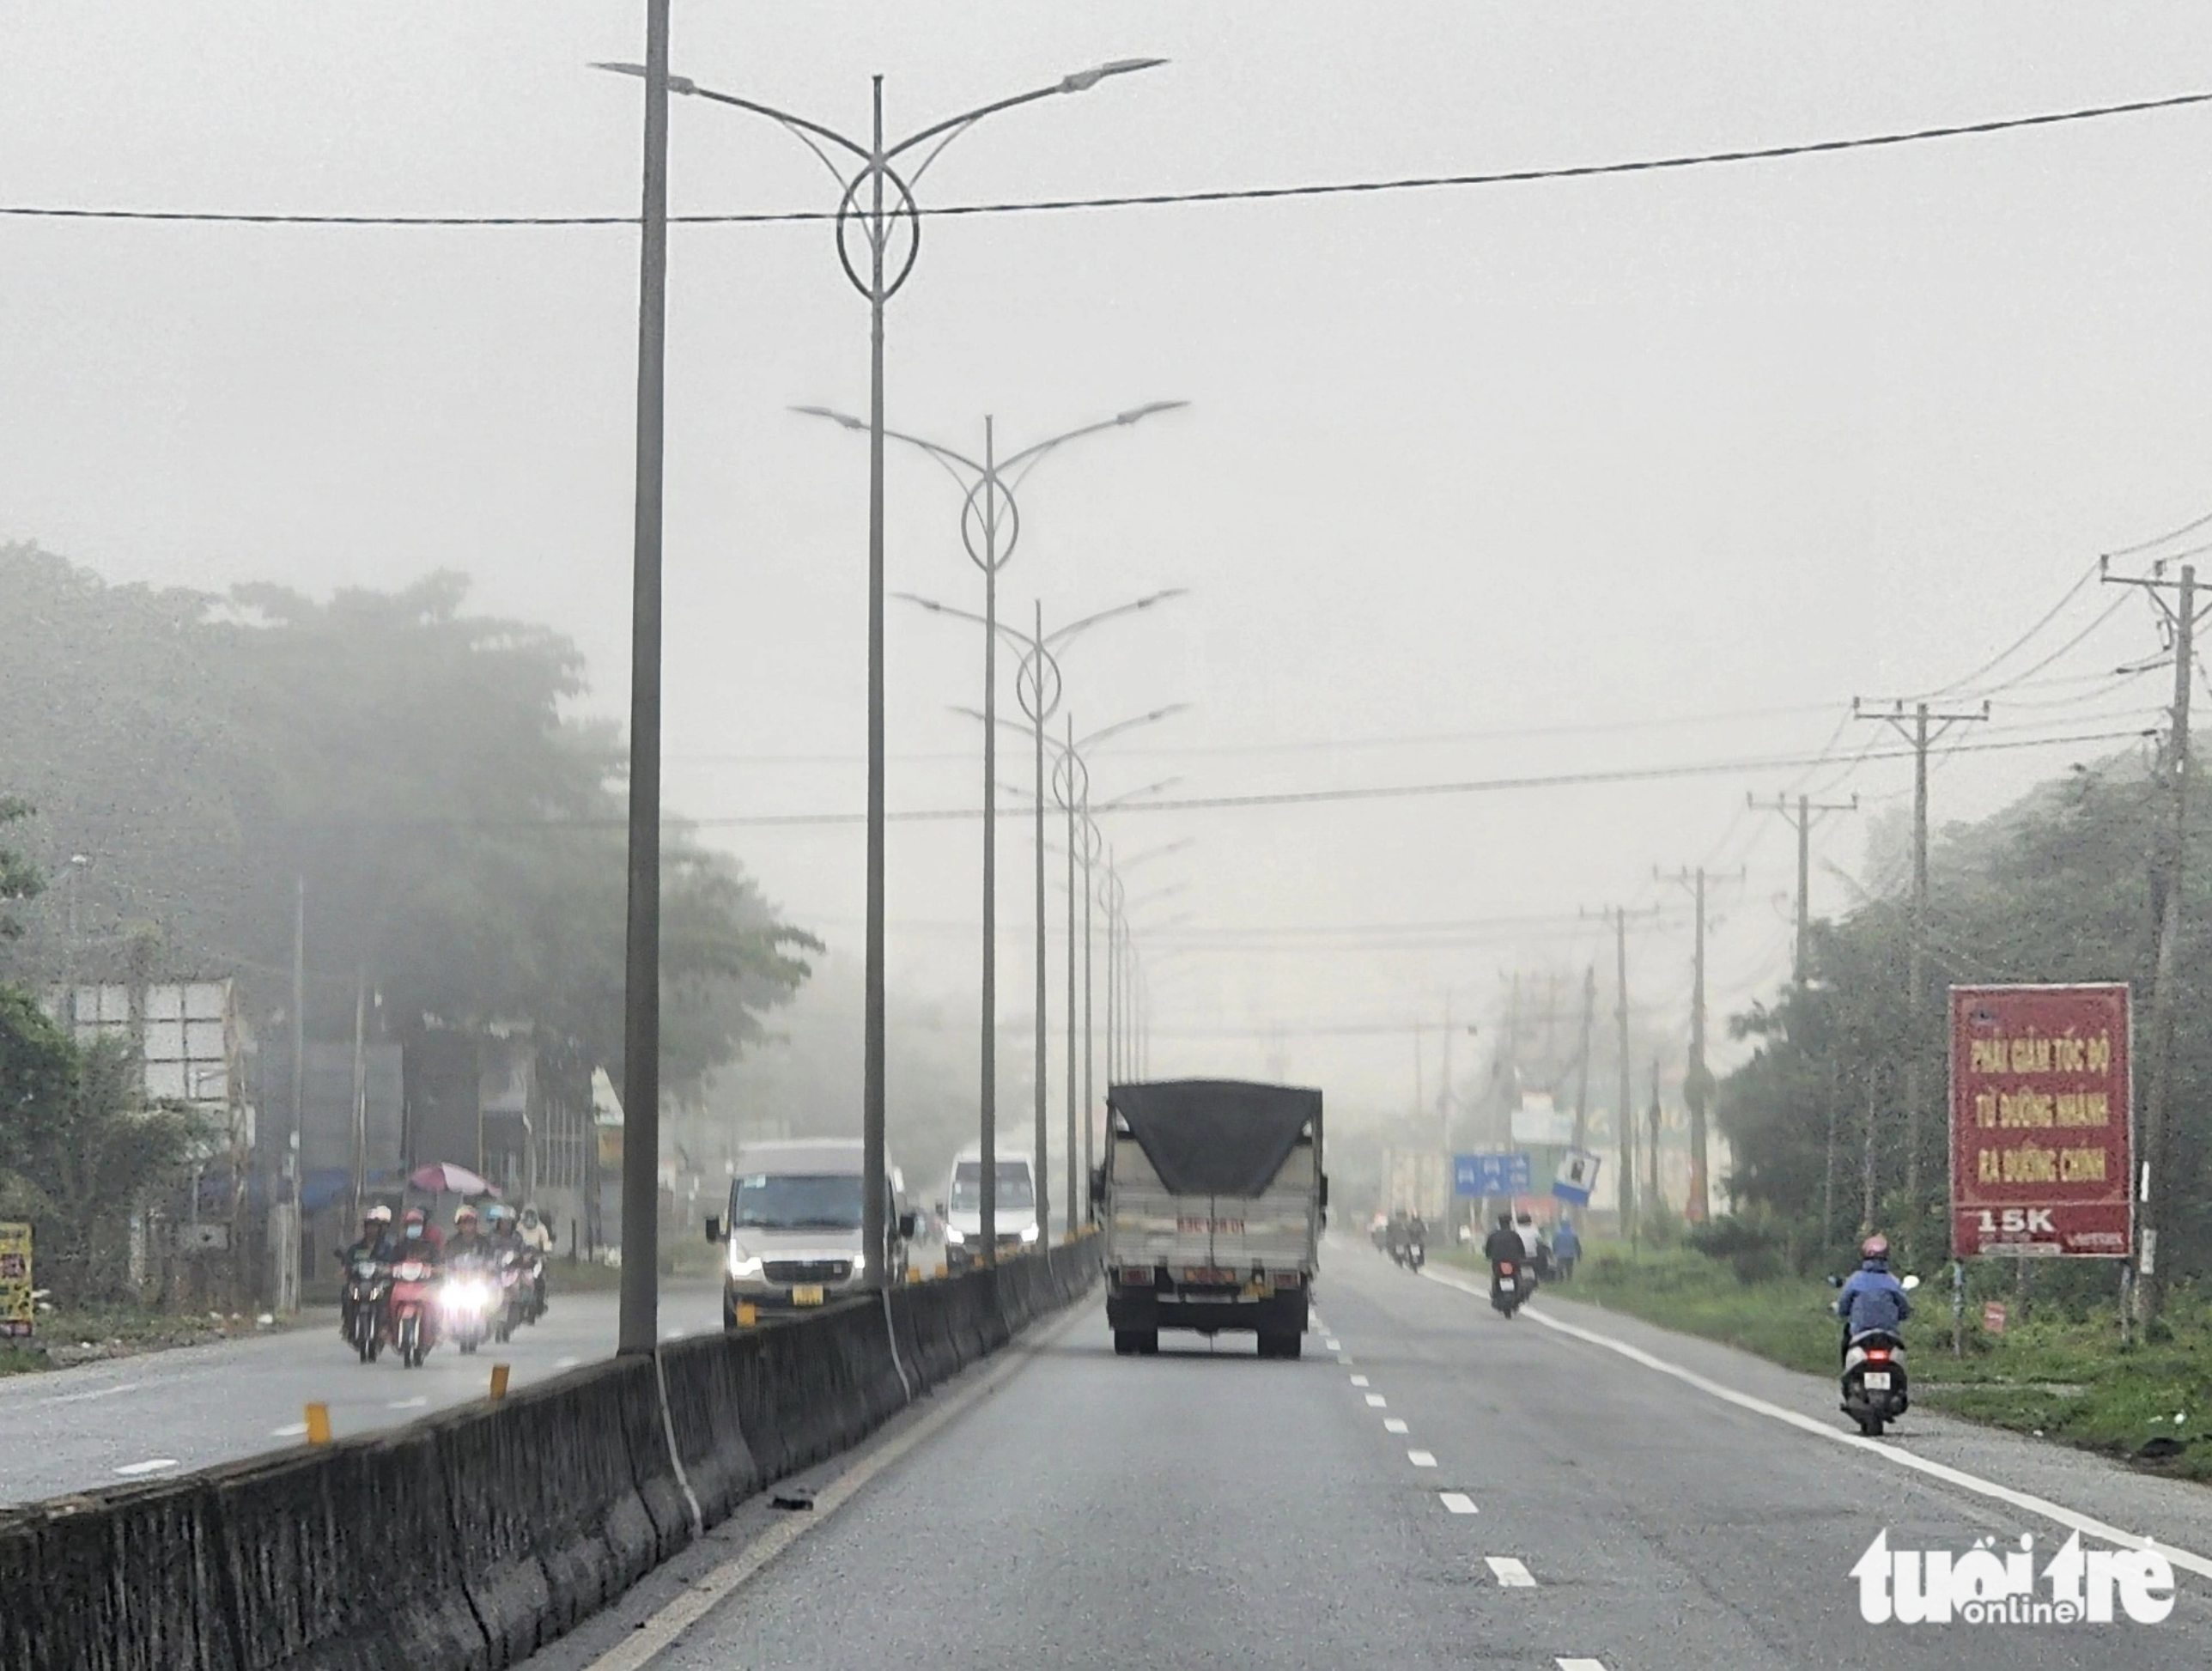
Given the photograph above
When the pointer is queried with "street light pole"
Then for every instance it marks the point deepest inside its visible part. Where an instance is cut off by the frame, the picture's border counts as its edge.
(878, 279)
(1038, 687)
(637, 1329)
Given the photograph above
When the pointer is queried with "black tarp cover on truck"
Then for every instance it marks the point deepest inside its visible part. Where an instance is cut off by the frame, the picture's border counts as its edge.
(1215, 1137)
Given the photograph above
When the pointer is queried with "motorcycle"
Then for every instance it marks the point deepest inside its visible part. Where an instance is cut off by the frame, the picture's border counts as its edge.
(1512, 1282)
(368, 1285)
(466, 1299)
(1875, 1388)
(1415, 1256)
(517, 1302)
(410, 1313)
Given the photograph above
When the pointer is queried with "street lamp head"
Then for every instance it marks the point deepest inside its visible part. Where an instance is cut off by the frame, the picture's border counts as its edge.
(1148, 409)
(929, 603)
(676, 83)
(844, 418)
(1083, 80)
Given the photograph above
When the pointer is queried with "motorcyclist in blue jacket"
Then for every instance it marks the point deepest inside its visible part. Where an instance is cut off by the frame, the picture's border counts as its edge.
(1873, 1298)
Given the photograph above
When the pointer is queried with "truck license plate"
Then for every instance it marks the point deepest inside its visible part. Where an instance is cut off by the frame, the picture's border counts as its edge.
(1877, 1381)
(807, 1293)
(1204, 1278)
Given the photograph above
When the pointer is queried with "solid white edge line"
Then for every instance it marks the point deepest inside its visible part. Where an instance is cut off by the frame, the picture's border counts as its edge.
(659, 1632)
(1510, 1574)
(2024, 1501)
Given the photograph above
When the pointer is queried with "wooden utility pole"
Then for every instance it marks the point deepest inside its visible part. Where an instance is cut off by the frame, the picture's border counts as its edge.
(1804, 815)
(1922, 728)
(1657, 1198)
(1626, 1189)
(2157, 1130)
(1697, 1078)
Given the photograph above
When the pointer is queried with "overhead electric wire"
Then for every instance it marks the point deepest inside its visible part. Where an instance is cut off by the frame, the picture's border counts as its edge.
(1160, 199)
(2042, 621)
(1373, 793)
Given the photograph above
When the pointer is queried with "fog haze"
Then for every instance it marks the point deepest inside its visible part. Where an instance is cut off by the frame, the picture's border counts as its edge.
(1480, 484)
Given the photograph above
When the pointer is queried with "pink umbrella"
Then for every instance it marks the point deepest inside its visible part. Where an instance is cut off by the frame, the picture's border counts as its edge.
(444, 1178)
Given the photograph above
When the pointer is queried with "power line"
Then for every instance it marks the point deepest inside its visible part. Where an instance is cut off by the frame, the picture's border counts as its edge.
(1159, 199)
(1410, 791)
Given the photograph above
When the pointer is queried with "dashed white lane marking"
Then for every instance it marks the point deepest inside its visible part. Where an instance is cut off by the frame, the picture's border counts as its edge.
(290, 1430)
(2024, 1501)
(1580, 1664)
(1422, 1459)
(1376, 1401)
(151, 1465)
(1510, 1573)
(97, 1392)
(1334, 1346)
(1392, 1424)
(407, 1403)
(1458, 1501)
(1359, 1380)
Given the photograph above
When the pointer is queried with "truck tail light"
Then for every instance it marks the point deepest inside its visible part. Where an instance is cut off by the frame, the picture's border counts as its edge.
(1136, 1276)
(1289, 1279)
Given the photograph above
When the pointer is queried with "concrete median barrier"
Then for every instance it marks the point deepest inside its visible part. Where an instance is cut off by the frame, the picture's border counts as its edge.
(471, 1538)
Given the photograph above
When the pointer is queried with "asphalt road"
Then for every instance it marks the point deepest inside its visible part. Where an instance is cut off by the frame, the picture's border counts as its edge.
(161, 1413)
(1550, 1502)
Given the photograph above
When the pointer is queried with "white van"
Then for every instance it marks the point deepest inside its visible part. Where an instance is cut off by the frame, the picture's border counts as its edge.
(792, 1234)
(1015, 1209)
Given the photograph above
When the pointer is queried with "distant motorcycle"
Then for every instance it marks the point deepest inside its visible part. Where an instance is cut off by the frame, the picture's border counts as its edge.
(1512, 1282)
(466, 1301)
(1875, 1390)
(518, 1302)
(368, 1285)
(410, 1312)
(1415, 1253)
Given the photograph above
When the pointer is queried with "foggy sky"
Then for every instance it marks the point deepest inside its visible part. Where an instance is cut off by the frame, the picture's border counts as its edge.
(1459, 462)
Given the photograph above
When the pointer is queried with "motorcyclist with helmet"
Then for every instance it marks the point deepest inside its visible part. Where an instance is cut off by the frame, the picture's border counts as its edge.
(1872, 1300)
(467, 1241)
(537, 1237)
(375, 1246)
(418, 1239)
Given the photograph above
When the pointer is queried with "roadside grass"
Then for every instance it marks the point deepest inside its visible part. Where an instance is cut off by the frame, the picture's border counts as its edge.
(2048, 1375)
(83, 1334)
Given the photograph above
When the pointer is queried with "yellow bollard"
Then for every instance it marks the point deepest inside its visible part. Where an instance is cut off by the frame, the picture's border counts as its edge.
(498, 1381)
(319, 1423)
(937, 1270)
(748, 1314)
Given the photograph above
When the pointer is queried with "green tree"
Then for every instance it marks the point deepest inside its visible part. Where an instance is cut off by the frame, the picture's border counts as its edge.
(19, 877)
(413, 767)
(2055, 888)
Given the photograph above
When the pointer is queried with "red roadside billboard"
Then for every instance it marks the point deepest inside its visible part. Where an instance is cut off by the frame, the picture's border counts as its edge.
(2042, 1154)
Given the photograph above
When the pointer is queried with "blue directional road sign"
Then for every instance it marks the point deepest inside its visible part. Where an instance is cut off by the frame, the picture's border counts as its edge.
(1491, 1176)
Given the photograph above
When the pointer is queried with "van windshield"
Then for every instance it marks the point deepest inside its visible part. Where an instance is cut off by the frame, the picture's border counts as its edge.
(1014, 1193)
(796, 1202)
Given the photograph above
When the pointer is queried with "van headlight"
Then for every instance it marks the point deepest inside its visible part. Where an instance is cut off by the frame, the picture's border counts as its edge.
(744, 1266)
(1029, 1234)
(953, 1238)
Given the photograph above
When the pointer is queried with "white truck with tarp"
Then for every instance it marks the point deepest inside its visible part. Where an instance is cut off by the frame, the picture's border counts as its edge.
(1214, 1197)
